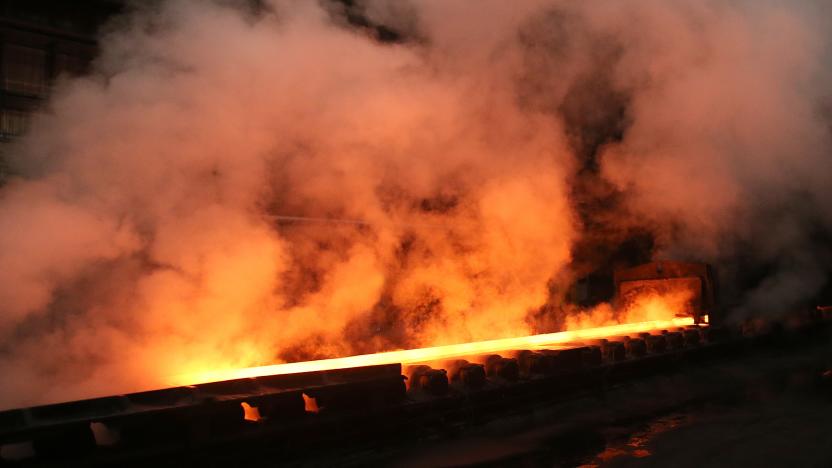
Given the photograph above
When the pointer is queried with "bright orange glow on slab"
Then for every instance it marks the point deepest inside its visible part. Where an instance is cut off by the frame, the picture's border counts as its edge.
(411, 356)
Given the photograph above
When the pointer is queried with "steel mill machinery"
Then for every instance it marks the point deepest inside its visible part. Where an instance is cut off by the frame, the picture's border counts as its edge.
(290, 416)
(696, 281)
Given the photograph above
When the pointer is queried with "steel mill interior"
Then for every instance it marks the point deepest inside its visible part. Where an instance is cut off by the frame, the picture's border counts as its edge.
(412, 233)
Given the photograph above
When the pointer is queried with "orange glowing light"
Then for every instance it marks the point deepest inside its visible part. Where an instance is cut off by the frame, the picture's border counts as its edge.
(250, 413)
(310, 404)
(412, 356)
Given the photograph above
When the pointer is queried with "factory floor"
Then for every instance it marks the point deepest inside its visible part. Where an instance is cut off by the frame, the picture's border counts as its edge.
(764, 408)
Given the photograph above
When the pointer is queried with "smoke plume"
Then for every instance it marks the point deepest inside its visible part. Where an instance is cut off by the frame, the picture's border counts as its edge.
(240, 183)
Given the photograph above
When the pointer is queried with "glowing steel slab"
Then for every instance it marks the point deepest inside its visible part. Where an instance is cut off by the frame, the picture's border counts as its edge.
(410, 356)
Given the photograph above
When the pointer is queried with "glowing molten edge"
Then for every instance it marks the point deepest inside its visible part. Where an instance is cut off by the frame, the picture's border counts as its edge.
(411, 356)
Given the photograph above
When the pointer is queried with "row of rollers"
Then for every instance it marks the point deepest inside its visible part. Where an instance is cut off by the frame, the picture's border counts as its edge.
(479, 371)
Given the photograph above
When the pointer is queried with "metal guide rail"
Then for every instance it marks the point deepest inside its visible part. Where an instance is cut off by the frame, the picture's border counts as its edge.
(280, 414)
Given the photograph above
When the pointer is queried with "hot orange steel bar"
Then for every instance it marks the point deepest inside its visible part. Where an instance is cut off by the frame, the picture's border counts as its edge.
(410, 356)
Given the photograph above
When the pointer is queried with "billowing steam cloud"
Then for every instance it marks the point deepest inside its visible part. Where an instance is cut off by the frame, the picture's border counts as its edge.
(235, 185)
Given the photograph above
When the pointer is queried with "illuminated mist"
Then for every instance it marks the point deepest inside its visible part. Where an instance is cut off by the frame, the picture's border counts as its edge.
(236, 186)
